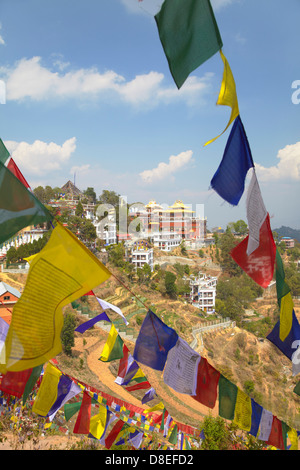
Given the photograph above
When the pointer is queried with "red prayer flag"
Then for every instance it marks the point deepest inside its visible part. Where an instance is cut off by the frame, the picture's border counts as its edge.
(207, 384)
(139, 386)
(14, 383)
(16, 171)
(276, 437)
(82, 425)
(259, 265)
(114, 434)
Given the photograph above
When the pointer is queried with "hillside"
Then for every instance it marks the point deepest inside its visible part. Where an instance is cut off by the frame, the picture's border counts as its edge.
(288, 232)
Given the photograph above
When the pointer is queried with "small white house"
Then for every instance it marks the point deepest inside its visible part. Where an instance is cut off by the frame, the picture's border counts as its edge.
(203, 292)
(141, 254)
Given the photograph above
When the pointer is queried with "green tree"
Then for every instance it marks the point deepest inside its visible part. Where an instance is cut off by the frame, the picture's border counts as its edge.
(67, 333)
(226, 244)
(79, 212)
(170, 284)
(90, 194)
(217, 435)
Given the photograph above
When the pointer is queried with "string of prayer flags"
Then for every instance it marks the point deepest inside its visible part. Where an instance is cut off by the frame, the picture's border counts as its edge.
(255, 417)
(19, 208)
(229, 179)
(207, 384)
(113, 348)
(189, 35)
(227, 398)
(4, 153)
(227, 95)
(181, 368)
(243, 411)
(60, 273)
(154, 341)
(260, 264)
(106, 305)
(256, 213)
(90, 323)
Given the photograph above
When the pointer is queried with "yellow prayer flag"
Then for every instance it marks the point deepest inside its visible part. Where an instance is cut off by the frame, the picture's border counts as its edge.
(47, 392)
(243, 411)
(139, 374)
(159, 406)
(113, 348)
(293, 437)
(286, 316)
(98, 422)
(227, 95)
(63, 271)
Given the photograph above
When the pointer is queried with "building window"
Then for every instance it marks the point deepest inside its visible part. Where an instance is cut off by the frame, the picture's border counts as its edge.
(7, 297)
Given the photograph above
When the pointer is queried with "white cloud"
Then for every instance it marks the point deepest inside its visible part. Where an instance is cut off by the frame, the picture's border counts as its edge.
(28, 78)
(40, 157)
(166, 170)
(83, 169)
(288, 167)
(2, 42)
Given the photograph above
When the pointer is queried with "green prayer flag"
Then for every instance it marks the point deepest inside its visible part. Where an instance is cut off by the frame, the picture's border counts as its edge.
(227, 398)
(285, 428)
(4, 153)
(297, 389)
(70, 409)
(281, 286)
(189, 35)
(36, 372)
(18, 206)
(173, 436)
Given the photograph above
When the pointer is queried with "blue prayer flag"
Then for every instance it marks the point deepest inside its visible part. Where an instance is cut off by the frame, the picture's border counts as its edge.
(255, 417)
(229, 179)
(88, 324)
(154, 341)
(287, 347)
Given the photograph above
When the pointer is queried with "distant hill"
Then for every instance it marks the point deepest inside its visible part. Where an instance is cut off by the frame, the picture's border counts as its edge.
(288, 232)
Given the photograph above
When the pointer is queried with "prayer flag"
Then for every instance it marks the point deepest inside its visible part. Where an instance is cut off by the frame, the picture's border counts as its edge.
(154, 341)
(60, 273)
(256, 213)
(35, 374)
(47, 392)
(139, 386)
(189, 35)
(181, 368)
(82, 425)
(282, 287)
(113, 348)
(243, 411)
(98, 423)
(66, 390)
(4, 153)
(149, 395)
(110, 439)
(19, 208)
(227, 95)
(207, 384)
(14, 383)
(3, 333)
(12, 166)
(106, 305)
(293, 437)
(255, 417)
(260, 264)
(265, 425)
(90, 323)
(173, 435)
(229, 179)
(276, 438)
(291, 342)
(286, 315)
(227, 398)
(128, 367)
(70, 409)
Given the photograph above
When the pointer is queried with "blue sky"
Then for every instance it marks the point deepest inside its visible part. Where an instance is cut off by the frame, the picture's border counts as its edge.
(89, 93)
